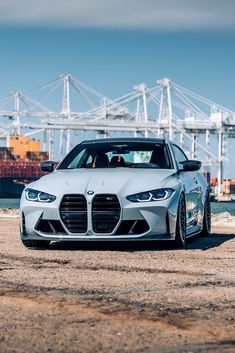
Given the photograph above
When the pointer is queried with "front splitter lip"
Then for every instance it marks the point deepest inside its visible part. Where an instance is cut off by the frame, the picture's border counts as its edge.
(95, 238)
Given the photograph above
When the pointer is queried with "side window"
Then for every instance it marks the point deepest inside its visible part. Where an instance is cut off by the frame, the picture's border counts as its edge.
(89, 161)
(75, 161)
(179, 154)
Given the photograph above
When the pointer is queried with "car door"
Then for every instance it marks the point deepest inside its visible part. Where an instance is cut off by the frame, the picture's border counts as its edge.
(191, 187)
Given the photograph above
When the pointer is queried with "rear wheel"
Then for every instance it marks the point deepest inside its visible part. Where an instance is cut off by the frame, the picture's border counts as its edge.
(36, 243)
(180, 233)
(206, 227)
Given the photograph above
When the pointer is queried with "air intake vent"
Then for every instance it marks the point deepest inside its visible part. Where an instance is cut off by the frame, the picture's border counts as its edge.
(73, 212)
(50, 226)
(138, 226)
(105, 213)
(23, 224)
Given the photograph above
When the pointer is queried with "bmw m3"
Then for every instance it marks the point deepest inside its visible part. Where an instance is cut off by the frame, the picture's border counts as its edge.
(122, 189)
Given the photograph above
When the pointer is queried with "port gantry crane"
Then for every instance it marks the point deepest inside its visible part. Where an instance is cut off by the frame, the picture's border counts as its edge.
(165, 110)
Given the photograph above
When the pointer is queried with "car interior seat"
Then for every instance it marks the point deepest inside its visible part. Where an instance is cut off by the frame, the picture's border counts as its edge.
(158, 158)
(100, 161)
(117, 161)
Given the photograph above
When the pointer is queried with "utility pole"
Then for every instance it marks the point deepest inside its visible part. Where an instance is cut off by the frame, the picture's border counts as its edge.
(51, 144)
(17, 111)
(141, 108)
(66, 108)
(220, 167)
(165, 110)
(168, 86)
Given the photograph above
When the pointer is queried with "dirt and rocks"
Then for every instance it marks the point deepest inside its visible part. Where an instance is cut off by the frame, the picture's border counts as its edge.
(117, 298)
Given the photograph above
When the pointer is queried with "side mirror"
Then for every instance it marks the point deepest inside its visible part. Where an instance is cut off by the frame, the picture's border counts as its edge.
(47, 166)
(190, 165)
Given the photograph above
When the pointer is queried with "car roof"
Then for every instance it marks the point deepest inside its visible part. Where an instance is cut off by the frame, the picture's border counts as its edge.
(125, 140)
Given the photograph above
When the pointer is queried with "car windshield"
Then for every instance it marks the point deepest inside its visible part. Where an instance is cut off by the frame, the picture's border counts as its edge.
(118, 155)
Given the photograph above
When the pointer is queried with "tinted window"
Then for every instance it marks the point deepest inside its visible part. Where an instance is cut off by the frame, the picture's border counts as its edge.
(179, 154)
(114, 155)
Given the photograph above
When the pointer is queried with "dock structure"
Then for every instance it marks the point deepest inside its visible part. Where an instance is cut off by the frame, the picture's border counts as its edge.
(65, 106)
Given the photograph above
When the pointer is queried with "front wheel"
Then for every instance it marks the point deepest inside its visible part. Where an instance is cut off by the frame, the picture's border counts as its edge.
(206, 227)
(36, 243)
(180, 232)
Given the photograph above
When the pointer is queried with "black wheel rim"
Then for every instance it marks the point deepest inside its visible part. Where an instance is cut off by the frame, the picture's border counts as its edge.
(208, 214)
(182, 220)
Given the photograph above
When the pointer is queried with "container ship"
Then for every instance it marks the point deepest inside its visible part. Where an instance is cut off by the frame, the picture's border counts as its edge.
(19, 164)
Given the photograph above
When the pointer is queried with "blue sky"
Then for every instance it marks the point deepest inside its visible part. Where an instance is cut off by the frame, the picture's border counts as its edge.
(113, 60)
(113, 45)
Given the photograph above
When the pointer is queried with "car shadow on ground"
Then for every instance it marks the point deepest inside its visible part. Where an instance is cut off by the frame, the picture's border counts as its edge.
(206, 243)
(194, 243)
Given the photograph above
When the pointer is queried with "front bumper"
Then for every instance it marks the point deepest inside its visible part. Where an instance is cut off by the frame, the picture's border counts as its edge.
(138, 221)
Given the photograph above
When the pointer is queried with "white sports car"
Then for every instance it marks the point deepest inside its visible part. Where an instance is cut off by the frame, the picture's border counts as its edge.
(114, 190)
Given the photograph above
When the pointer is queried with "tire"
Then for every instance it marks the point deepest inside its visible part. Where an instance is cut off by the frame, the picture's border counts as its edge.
(36, 243)
(206, 227)
(180, 232)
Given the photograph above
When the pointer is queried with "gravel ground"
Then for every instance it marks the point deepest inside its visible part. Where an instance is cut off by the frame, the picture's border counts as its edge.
(117, 298)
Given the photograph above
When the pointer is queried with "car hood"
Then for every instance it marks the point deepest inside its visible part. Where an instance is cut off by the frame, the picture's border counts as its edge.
(120, 180)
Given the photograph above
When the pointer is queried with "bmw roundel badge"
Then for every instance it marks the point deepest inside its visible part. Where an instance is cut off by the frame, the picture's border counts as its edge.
(90, 192)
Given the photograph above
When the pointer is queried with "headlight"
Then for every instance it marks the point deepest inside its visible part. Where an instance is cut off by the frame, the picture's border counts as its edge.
(152, 195)
(38, 196)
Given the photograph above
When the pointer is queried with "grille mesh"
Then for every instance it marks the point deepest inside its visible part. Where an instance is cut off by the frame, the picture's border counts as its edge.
(106, 212)
(73, 211)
